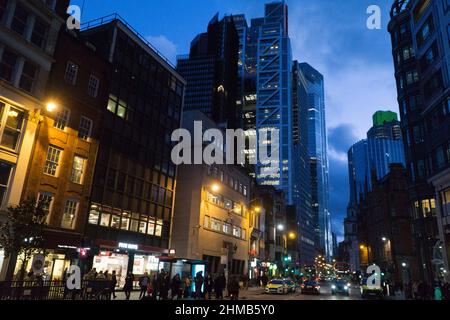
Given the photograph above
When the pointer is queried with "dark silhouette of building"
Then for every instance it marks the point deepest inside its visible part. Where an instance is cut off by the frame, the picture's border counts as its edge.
(211, 72)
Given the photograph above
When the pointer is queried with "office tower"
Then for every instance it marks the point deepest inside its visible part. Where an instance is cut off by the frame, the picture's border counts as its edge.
(421, 53)
(302, 167)
(317, 146)
(28, 34)
(274, 102)
(134, 182)
(211, 71)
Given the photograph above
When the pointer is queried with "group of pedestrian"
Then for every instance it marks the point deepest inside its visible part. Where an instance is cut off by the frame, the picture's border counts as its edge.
(424, 291)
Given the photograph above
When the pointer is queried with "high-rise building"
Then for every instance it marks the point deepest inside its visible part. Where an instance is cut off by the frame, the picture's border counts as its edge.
(212, 73)
(274, 91)
(317, 147)
(28, 36)
(301, 168)
(421, 52)
(134, 182)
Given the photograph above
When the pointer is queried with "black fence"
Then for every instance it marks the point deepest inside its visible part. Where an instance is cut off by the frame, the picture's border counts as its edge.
(54, 290)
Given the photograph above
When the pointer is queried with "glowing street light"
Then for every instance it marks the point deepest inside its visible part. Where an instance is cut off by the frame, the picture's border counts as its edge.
(292, 235)
(51, 106)
(215, 187)
(280, 227)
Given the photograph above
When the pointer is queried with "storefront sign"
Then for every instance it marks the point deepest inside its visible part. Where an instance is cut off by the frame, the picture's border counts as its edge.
(129, 246)
(62, 246)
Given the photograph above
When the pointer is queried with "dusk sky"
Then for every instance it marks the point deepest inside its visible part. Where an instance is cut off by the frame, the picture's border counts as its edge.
(330, 35)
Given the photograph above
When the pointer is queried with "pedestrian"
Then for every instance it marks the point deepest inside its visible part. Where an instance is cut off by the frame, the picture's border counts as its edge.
(198, 285)
(113, 284)
(245, 280)
(437, 292)
(233, 288)
(264, 280)
(176, 287)
(155, 287)
(165, 287)
(209, 284)
(187, 287)
(143, 283)
(219, 285)
(160, 285)
(128, 287)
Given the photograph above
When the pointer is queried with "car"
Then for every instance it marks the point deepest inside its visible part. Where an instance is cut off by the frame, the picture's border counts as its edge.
(340, 286)
(291, 285)
(277, 286)
(368, 290)
(310, 286)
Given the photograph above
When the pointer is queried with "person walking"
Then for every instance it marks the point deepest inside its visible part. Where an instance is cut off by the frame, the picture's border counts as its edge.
(199, 280)
(264, 280)
(128, 287)
(233, 288)
(113, 284)
(176, 287)
(187, 287)
(219, 285)
(208, 286)
(143, 284)
(245, 280)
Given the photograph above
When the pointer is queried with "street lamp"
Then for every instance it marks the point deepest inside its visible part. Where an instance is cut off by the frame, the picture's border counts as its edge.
(51, 106)
(280, 227)
(384, 239)
(215, 187)
(292, 235)
(404, 264)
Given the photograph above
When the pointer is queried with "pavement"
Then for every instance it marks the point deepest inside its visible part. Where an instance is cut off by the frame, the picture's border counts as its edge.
(257, 293)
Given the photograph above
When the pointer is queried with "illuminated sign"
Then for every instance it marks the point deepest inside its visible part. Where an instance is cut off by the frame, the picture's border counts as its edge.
(129, 246)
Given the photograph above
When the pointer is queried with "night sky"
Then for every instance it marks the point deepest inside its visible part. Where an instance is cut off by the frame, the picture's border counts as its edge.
(330, 35)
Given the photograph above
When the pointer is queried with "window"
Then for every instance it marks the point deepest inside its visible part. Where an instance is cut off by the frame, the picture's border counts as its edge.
(93, 85)
(106, 217)
(85, 128)
(13, 126)
(94, 214)
(117, 106)
(125, 223)
(19, 22)
(426, 31)
(77, 175)
(5, 174)
(52, 161)
(61, 119)
(228, 204)
(8, 65)
(216, 224)
(47, 199)
(158, 229)
(227, 228)
(408, 53)
(412, 77)
(237, 232)
(70, 211)
(151, 227)
(71, 73)
(430, 56)
(39, 33)
(206, 222)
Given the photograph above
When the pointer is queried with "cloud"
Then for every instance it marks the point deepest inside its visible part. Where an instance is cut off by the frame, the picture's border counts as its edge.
(340, 139)
(166, 47)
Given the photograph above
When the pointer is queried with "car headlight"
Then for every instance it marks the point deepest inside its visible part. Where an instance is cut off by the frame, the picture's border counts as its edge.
(345, 288)
(333, 287)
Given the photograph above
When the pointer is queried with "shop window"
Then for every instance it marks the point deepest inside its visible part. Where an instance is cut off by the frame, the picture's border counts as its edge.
(8, 65)
(28, 76)
(5, 174)
(115, 222)
(134, 225)
(78, 167)
(93, 86)
(52, 161)
(12, 126)
(85, 128)
(71, 73)
(61, 119)
(206, 221)
(94, 214)
(70, 211)
(19, 22)
(106, 217)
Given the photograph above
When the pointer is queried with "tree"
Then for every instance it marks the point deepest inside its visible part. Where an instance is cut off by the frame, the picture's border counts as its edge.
(23, 231)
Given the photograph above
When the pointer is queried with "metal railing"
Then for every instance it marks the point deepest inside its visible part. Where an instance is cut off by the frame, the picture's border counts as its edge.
(115, 16)
(54, 290)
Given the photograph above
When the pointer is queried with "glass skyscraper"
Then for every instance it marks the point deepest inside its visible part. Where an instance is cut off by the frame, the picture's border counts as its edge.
(317, 146)
(274, 90)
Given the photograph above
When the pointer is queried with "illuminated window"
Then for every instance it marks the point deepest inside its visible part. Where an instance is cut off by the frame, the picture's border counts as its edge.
(78, 167)
(125, 222)
(52, 161)
(71, 73)
(227, 228)
(70, 211)
(5, 174)
(94, 214)
(61, 119)
(115, 222)
(206, 222)
(12, 127)
(93, 86)
(151, 227)
(158, 229)
(237, 232)
(47, 199)
(216, 224)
